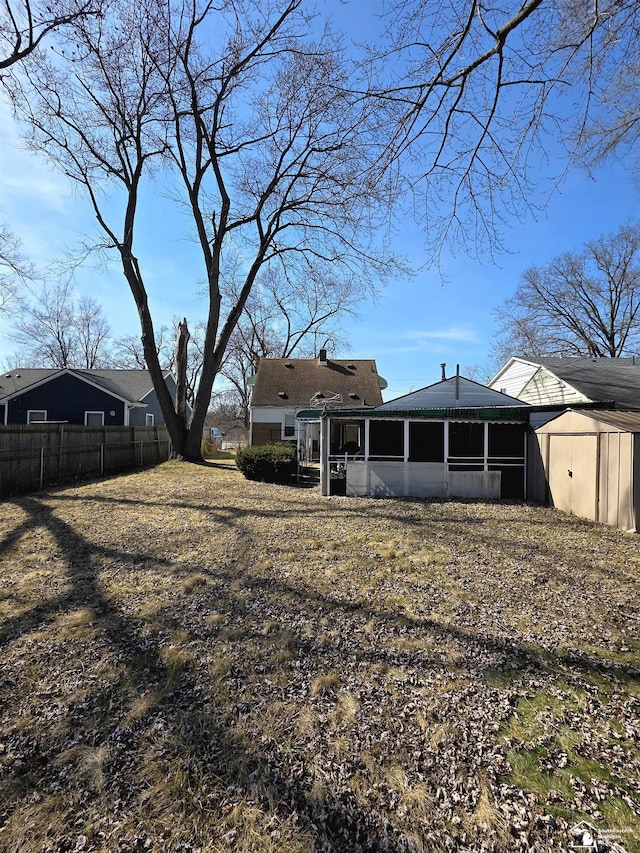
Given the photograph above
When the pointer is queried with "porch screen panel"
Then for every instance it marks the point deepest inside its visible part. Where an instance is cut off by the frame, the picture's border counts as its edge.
(386, 438)
(426, 442)
(466, 440)
(506, 454)
(506, 440)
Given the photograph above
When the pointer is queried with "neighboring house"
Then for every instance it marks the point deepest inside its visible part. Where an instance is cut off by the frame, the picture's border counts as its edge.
(455, 438)
(285, 386)
(86, 397)
(588, 463)
(566, 382)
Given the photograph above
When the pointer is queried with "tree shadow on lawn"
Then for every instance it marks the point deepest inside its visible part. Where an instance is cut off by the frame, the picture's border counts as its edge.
(158, 736)
(166, 739)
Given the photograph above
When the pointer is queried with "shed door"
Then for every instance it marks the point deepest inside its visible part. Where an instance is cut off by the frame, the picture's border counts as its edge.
(573, 480)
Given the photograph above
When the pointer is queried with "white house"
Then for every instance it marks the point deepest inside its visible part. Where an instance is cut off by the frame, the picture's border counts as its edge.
(566, 382)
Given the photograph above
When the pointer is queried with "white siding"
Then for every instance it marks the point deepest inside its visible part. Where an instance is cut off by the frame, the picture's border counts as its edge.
(546, 389)
(514, 379)
(275, 415)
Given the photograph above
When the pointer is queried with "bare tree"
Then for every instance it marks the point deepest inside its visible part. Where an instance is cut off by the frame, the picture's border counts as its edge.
(585, 304)
(270, 145)
(285, 318)
(127, 352)
(57, 330)
(224, 406)
(473, 93)
(24, 23)
(15, 270)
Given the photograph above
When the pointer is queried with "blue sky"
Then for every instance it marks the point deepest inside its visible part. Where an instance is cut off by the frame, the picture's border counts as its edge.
(441, 315)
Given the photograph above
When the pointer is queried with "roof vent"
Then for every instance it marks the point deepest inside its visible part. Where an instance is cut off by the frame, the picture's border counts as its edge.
(353, 395)
(282, 394)
(351, 366)
(322, 357)
(289, 365)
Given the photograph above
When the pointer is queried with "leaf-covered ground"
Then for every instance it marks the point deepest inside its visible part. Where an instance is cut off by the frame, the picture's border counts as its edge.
(195, 662)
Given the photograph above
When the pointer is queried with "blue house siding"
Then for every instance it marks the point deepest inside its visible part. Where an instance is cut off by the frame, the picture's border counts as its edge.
(66, 398)
(138, 417)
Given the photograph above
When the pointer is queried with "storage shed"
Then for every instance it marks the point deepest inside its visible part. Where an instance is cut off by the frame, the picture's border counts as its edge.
(589, 465)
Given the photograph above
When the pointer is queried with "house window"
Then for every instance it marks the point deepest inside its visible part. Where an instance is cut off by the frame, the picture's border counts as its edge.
(386, 438)
(149, 420)
(35, 416)
(426, 441)
(289, 426)
(94, 419)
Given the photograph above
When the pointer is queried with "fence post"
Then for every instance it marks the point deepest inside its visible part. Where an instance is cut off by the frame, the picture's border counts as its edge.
(102, 460)
(60, 449)
(41, 466)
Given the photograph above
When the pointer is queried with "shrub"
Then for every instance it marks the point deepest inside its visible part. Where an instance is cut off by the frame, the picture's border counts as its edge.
(271, 463)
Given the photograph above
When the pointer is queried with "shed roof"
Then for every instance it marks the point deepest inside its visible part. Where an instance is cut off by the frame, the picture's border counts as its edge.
(298, 381)
(620, 420)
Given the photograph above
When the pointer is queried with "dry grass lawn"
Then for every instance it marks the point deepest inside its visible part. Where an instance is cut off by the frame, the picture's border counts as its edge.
(194, 662)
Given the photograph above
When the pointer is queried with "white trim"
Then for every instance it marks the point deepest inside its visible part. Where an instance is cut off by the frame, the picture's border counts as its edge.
(33, 411)
(512, 361)
(90, 412)
(149, 419)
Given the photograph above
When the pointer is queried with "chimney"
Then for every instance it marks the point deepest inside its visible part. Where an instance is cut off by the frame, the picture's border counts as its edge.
(443, 367)
(322, 358)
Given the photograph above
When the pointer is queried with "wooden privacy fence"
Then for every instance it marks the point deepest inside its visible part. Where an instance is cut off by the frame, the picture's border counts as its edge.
(39, 455)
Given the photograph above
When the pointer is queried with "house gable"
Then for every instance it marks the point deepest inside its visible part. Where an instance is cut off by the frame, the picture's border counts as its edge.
(455, 392)
(514, 376)
(131, 393)
(567, 381)
(65, 397)
(546, 388)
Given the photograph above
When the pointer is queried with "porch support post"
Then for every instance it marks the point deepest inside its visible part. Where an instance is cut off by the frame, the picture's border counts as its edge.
(324, 456)
(486, 446)
(367, 423)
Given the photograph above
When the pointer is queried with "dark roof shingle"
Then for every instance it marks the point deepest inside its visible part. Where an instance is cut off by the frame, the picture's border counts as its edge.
(131, 385)
(299, 381)
(614, 380)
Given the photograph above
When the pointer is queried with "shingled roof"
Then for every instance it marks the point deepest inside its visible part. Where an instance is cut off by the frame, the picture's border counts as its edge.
(130, 385)
(599, 379)
(297, 382)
